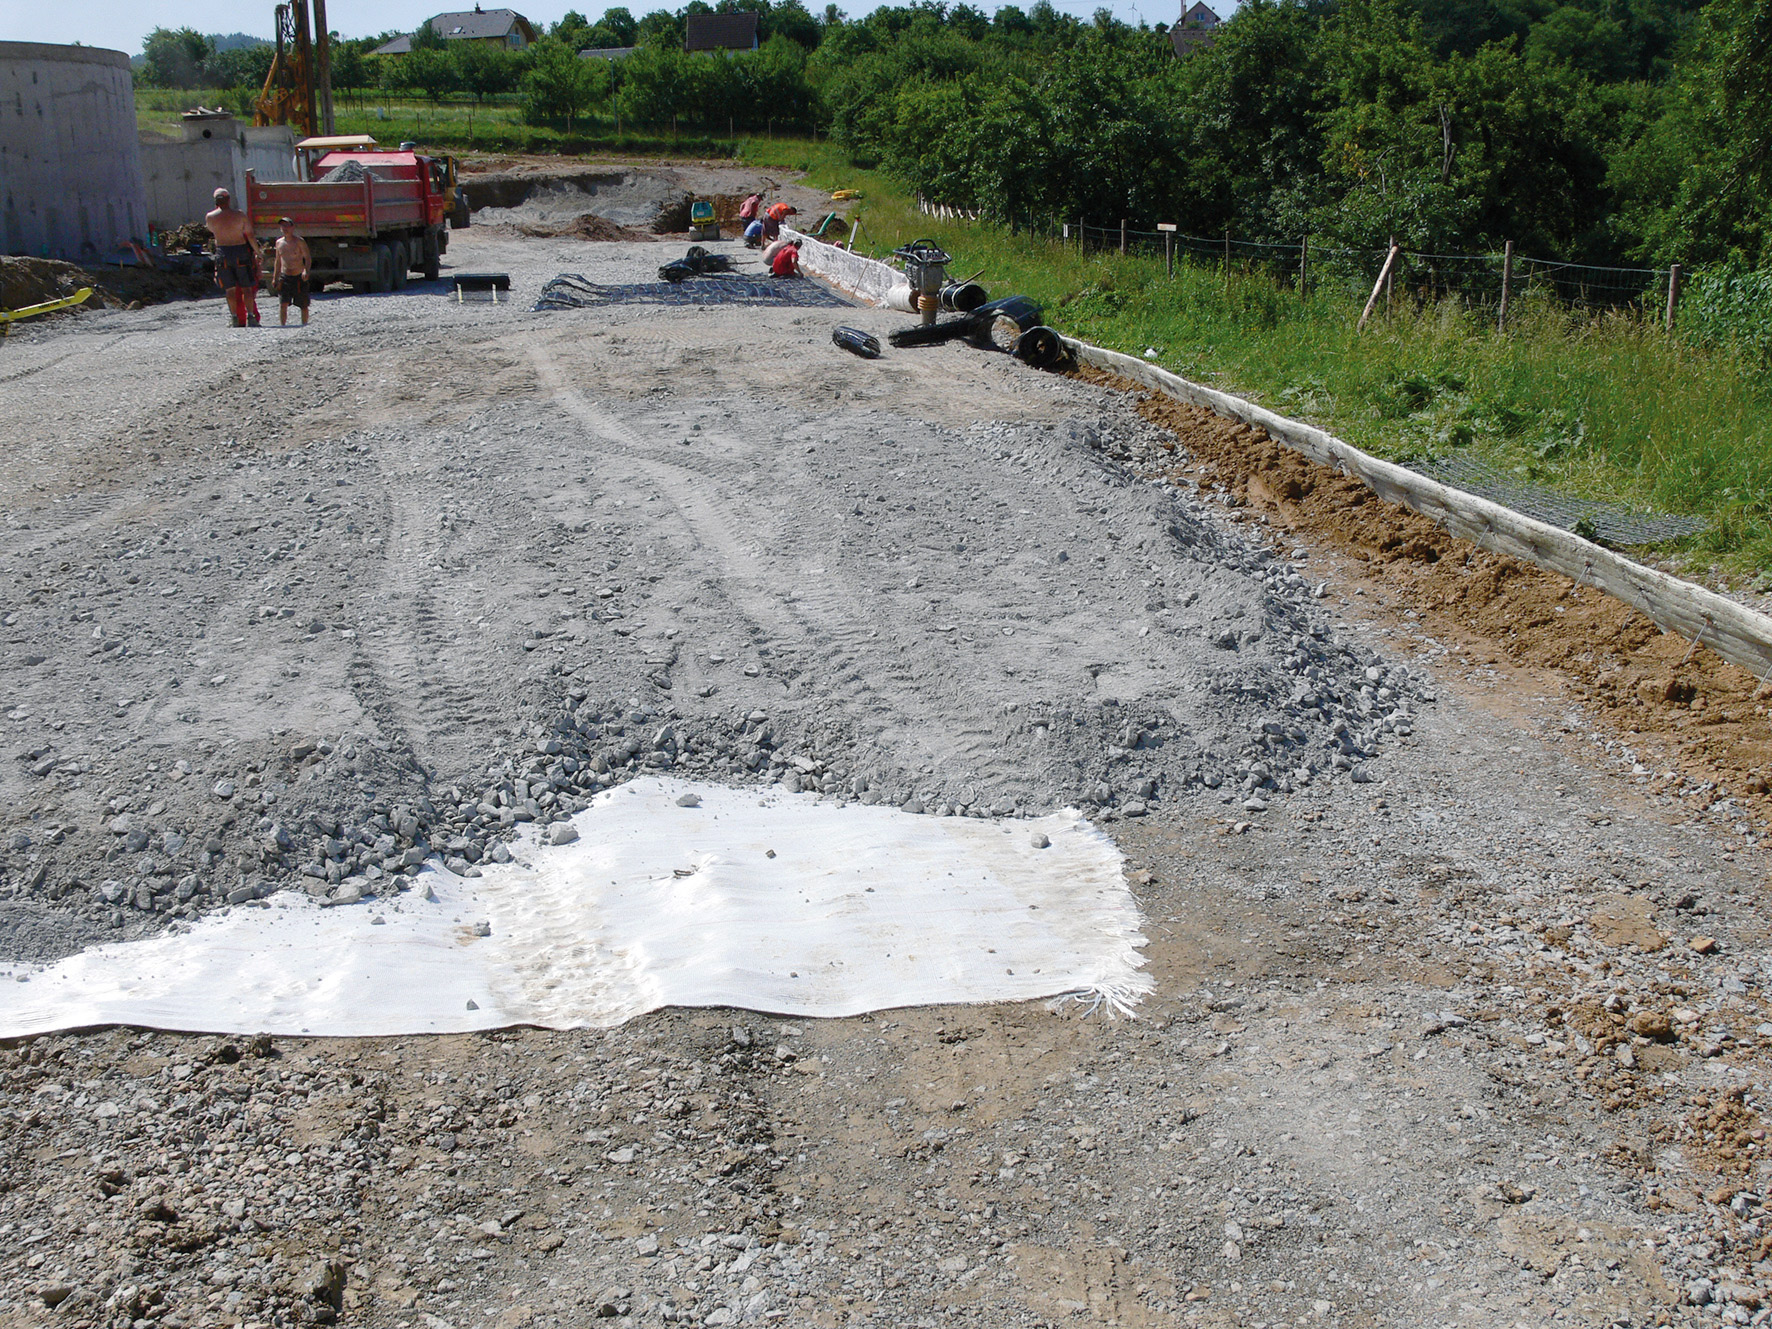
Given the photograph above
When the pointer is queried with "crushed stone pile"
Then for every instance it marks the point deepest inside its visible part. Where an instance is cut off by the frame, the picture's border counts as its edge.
(350, 172)
(1247, 695)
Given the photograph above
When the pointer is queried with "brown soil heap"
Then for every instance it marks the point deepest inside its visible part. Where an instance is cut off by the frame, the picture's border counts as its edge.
(31, 281)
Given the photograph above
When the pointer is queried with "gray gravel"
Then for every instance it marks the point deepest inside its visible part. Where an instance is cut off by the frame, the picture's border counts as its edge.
(1475, 1039)
(273, 651)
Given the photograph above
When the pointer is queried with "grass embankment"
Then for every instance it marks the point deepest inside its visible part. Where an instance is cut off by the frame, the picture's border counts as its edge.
(1603, 406)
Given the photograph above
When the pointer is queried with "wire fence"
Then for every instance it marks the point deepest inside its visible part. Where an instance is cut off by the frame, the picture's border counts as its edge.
(1480, 280)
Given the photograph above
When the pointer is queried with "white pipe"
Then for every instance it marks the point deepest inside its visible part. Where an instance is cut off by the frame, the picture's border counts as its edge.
(903, 299)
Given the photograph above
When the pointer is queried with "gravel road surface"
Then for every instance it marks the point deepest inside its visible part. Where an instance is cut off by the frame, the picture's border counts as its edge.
(1456, 1021)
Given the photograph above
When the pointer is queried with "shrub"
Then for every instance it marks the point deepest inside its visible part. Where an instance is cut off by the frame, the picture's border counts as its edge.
(1731, 307)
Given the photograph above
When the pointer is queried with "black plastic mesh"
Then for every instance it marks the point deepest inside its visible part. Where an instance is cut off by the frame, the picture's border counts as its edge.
(571, 291)
(1609, 523)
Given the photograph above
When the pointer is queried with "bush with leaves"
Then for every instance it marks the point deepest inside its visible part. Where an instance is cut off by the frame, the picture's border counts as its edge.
(558, 85)
(174, 58)
(1731, 306)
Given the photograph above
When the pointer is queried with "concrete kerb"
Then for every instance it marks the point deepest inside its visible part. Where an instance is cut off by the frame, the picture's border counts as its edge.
(866, 278)
(1739, 634)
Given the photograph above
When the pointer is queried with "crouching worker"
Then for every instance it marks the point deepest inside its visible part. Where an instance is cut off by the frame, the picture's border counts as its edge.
(786, 262)
(290, 275)
(753, 234)
(773, 248)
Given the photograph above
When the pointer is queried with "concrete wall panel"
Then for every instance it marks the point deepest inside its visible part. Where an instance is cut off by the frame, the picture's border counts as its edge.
(182, 178)
(70, 166)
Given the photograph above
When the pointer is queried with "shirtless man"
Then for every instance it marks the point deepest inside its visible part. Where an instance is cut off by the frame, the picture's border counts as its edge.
(236, 258)
(290, 272)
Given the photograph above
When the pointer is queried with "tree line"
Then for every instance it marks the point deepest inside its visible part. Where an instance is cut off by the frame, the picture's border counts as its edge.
(1602, 131)
(658, 85)
(1596, 131)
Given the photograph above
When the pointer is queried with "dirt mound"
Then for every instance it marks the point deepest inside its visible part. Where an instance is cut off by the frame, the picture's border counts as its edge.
(1706, 716)
(585, 226)
(30, 281)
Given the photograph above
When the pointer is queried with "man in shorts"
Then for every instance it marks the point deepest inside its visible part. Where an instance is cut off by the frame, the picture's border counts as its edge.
(290, 272)
(236, 259)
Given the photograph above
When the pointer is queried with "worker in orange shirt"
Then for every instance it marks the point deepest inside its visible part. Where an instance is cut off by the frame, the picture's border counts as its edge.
(772, 220)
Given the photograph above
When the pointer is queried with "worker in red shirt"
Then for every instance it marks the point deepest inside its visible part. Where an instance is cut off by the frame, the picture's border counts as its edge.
(786, 262)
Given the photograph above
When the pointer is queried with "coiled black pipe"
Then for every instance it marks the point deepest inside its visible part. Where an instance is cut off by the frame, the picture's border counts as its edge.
(1040, 347)
(962, 297)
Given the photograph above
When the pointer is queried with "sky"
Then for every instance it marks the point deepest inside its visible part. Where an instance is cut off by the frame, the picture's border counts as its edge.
(121, 25)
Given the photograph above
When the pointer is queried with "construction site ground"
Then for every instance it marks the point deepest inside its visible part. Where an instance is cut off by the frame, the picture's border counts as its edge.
(1469, 1032)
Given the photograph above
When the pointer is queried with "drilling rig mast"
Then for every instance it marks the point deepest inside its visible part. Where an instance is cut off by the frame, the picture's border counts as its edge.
(298, 90)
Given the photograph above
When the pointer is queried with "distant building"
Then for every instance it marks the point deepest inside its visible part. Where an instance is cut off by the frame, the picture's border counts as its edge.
(720, 32)
(610, 53)
(1196, 28)
(497, 27)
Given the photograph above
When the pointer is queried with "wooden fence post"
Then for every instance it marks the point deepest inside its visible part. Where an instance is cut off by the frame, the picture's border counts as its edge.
(1390, 277)
(1384, 276)
(1673, 294)
(1227, 255)
(1122, 236)
(1082, 238)
(1168, 230)
(1507, 282)
(1304, 264)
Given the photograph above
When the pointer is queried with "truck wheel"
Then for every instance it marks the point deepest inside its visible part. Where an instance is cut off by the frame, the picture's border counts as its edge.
(384, 269)
(433, 264)
(402, 264)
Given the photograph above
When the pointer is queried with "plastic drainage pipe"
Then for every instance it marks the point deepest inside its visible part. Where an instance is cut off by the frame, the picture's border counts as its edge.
(962, 297)
(1040, 347)
(1025, 311)
(902, 298)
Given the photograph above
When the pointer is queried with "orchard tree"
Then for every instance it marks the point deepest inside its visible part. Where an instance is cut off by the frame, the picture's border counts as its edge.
(559, 86)
(175, 59)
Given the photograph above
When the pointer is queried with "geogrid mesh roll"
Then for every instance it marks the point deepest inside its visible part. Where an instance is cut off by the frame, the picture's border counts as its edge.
(570, 290)
(1608, 523)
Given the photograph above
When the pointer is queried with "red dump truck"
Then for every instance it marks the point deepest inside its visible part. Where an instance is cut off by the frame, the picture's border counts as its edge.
(370, 215)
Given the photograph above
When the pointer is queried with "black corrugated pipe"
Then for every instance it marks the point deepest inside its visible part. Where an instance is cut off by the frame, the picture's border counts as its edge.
(962, 297)
(1040, 347)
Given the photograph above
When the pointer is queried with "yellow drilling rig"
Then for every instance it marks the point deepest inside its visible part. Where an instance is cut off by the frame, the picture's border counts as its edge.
(298, 90)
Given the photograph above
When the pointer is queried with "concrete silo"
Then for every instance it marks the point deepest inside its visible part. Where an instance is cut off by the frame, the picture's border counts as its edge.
(70, 163)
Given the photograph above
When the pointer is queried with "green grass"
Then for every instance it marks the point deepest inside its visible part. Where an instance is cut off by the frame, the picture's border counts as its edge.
(452, 126)
(1604, 406)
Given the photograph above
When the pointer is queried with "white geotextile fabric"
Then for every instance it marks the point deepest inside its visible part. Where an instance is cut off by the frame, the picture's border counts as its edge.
(859, 908)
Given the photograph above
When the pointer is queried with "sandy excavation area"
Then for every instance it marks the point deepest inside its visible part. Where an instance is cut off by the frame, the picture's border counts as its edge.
(1458, 1014)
